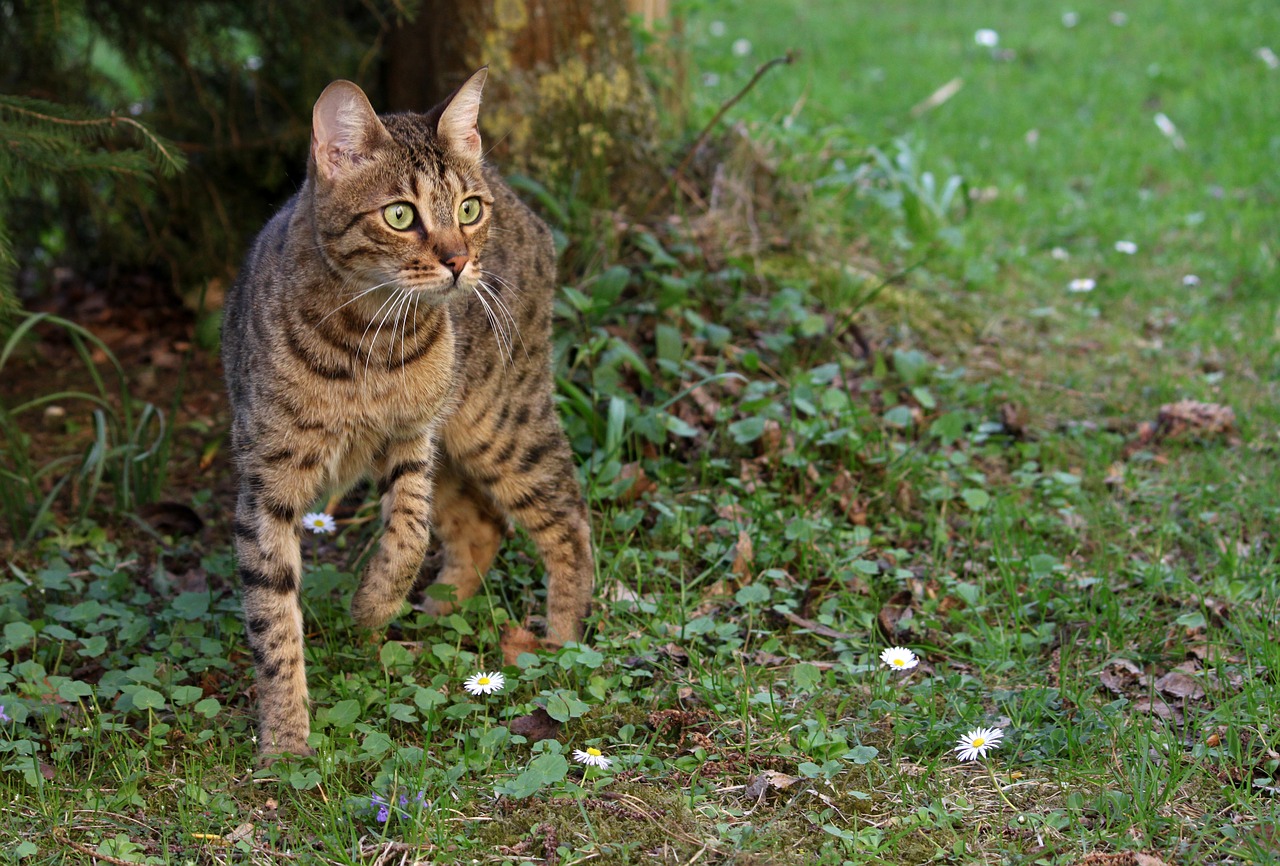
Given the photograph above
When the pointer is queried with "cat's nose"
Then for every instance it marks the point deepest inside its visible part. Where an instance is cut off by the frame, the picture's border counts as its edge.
(455, 262)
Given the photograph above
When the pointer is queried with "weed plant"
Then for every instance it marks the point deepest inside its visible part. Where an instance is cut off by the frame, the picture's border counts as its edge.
(126, 448)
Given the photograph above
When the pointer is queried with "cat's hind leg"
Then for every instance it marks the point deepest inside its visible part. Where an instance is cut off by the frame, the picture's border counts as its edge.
(470, 531)
(530, 473)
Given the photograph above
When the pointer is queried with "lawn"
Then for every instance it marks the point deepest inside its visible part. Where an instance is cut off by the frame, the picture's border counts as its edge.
(923, 392)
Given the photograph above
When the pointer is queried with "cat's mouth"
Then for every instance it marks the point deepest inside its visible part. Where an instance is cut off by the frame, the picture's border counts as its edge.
(439, 289)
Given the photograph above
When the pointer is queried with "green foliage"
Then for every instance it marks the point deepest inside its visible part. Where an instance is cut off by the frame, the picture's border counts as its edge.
(126, 448)
(49, 144)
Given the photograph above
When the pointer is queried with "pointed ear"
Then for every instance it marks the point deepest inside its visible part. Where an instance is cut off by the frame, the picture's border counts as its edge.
(344, 129)
(458, 120)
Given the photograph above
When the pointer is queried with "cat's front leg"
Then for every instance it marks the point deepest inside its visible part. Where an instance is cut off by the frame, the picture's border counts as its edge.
(269, 565)
(405, 484)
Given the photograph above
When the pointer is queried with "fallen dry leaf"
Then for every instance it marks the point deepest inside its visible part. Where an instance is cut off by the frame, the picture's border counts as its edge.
(734, 513)
(1193, 416)
(766, 781)
(709, 405)
(895, 617)
(1186, 417)
(1014, 418)
(1158, 707)
(1180, 685)
(536, 726)
(640, 483)
(1121, 676)
(515, 640)
(621, 593)
(852, 506)
(743, 555)
(1124, 858)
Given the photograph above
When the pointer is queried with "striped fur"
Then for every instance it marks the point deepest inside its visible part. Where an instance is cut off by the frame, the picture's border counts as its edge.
(420, 356)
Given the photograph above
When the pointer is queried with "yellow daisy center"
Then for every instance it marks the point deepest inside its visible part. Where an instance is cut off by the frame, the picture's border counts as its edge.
(899, 662)
(978, 742)
(482, 681)
(594, 752)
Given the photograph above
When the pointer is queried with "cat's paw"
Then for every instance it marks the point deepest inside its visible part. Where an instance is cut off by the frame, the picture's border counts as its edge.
(269, 753)
(372, 609)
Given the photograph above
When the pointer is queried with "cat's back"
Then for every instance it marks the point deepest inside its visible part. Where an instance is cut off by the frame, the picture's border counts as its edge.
(250, 296)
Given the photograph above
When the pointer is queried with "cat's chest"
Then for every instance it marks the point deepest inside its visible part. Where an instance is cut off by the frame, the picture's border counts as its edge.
(389, 398)
(375, 385)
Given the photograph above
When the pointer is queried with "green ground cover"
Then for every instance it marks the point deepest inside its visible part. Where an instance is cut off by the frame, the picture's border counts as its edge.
(909, 430)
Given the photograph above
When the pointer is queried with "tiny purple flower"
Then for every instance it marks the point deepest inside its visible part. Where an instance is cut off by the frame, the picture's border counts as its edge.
(404, 800)
(383, 814)
(3, 716)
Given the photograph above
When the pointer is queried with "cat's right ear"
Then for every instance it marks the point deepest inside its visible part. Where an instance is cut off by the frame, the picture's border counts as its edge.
(344, 129)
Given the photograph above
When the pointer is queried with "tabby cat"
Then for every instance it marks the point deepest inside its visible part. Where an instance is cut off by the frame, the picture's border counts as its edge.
(394, 320)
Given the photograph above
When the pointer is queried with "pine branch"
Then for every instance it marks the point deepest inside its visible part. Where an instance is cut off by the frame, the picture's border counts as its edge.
(39, 138)
(165, 157)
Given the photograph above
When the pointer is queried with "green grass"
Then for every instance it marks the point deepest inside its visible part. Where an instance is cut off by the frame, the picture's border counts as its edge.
(974, 490)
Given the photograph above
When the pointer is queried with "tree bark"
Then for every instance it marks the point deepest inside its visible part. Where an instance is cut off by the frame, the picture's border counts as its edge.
(565, 100)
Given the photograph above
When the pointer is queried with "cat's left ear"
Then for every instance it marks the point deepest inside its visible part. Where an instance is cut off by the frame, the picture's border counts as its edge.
(458, 124)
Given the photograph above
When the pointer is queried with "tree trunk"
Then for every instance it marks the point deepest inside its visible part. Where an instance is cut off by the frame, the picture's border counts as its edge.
(564, 102)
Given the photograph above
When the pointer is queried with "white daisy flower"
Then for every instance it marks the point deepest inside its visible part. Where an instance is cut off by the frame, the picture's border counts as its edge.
(1267, 56)
(1126, 247)
(319, 523)
(987, 38)
(1119, 19)
(741, 47)
(1070, 19)
(978, 742)
(1082, 284)
(1059, 254)
(899, 658)
(485, 684)
(717, 28)
(592, 757)
(1190, 280)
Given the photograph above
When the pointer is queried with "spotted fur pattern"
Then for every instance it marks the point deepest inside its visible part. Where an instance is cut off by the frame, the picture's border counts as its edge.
(420, 356)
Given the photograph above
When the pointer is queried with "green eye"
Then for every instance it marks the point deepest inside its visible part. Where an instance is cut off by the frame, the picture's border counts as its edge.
(469, 211)
(399, 215)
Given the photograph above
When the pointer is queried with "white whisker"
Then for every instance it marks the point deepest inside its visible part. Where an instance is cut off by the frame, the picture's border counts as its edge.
(358, 296)
(369, 355)
(510, 316)
(493, 326)
(506, 322)
(405, 299)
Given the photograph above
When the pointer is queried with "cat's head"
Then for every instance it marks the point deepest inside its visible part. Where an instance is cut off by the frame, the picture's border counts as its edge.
(401, 200)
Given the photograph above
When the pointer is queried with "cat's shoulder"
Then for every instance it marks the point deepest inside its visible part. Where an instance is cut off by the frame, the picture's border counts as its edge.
(513, 214)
